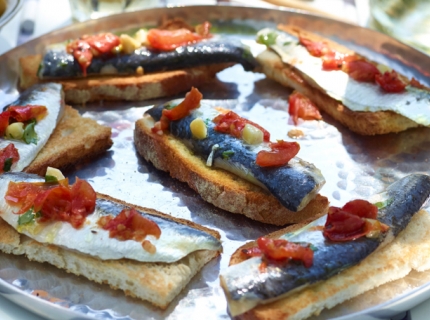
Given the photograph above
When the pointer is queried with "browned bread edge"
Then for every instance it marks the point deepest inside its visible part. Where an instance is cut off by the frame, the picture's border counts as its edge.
(222, 189)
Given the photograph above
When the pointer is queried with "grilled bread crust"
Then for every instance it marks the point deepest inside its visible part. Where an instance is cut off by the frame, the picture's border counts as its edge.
(157, 283)
(409, 251)
(364, 123)
(74, 140)
(132, 88)
(222, 189)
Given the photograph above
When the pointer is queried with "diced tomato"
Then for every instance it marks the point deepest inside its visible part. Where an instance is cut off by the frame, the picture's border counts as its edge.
(81, 51)
(280, 249)
(332, 61)
(204, 29)
(168, 40)
(191, 102)
(252, 252)
(161, 125)
(9, 152)
(83, 198)
(415, 83)
(103, 42)
(28, 112)
(316, 49)
(361, 70)
(129, 225)
(361, 208)
(234, 124)
(4, 122)
(55, 202)
(282, 152)
(302, 107)
(390, 82)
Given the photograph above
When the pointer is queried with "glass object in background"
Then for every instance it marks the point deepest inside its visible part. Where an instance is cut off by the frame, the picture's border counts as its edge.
(406, 20)
(92, 9)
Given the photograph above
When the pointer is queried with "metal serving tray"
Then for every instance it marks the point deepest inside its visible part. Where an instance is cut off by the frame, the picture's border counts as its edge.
(354, 167)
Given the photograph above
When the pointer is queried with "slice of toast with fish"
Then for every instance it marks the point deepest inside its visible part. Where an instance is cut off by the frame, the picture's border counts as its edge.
(348, 258)
(150, 64)
(223, 167)
(366, 97)
(147, 254)
(38, 130)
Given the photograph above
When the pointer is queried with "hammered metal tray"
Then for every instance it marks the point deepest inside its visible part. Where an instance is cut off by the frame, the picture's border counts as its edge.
(354, 166)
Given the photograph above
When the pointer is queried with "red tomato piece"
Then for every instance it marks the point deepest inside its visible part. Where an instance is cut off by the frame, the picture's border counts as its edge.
(204, 29)
(168, 40)
(332, 61)
(83, 198)
(282, 152)
(302, 107)
(361, 70)
(28, 112)
(4, 122)
(343, 226)
(415, 83)
(390, 82)
(57, 205)
(129, 225)
(316, 49)
(191, 102)
(361, 208)
(82, 53)
(103, 42)
(21, 194)
(252, 252)
(280, 249)
(9, 152)
(234, 124)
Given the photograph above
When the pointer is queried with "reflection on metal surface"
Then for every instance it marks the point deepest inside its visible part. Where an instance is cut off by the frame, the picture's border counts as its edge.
(353, 166)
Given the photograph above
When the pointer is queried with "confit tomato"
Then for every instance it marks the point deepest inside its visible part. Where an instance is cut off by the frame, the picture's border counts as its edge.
(191, 102)
(390, 82)
(86, 47)
(8, 156)
(281, 250)
(129, 225)
(361, 70)
(4, 122)
(28, 112)
(234, 124)
(168, 40)
(281, 153)
(355, 219)
(302, 107)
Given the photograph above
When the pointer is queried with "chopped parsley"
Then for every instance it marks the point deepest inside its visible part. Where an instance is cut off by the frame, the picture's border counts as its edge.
(268, 39)
(169, 106)
(51, 179)
(7, 164)
(30, 135)
(28, 217)
(227, 154)
(383, 204)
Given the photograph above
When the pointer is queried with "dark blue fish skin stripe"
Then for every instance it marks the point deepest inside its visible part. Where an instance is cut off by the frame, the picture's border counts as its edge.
(407, 197)
(57, 63)
(286, 183)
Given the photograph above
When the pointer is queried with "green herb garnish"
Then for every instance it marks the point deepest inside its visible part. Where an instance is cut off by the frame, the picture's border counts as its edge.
(169, 106)
(268, 39)
(383, 204)
(207, 121)
(30, 135)
(7, 164)
(27, 217)
(227, 154)
(51, 179)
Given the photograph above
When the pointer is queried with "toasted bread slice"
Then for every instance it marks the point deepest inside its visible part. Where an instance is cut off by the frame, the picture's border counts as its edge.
(132, 88)
(221, 188)
(74, 140)
(157, 283)
(409, 251)
(365, 123)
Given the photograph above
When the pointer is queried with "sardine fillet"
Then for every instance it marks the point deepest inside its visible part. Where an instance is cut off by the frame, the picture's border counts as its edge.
(222, 189)
(157, 283)
(365, 123)
(409, 251)
(132, 88)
